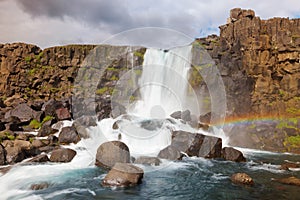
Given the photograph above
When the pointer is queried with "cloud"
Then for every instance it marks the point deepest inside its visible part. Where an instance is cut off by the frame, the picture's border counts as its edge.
(48, 22)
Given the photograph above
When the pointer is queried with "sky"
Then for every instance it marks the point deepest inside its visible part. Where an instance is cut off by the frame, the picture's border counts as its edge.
(58, 22)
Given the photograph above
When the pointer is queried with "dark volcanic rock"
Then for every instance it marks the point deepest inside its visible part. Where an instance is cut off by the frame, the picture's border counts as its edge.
(110, 153)
(2, 155)
(62, 155)
(170, 153)
(211, 147)
(145, 160)
(242, 178)
(123, 175)
(62, 114)
(229, 153)
(22, 112)
(46, 130)
(68, 135)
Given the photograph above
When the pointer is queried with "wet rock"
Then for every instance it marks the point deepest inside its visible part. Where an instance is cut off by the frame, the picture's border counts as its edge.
(242, 178)
(170, 153)
(151, 125)
(82, 131)
(47, 149)
(115, 125)
(62, 155)
(37, 143)
(39, 186)
(289, 165)
(289, 181)
(2, 155)
(123, 175)
(110, 153)
(68, 135)
(145, 160)
(229, 153)
(176, 115)
(211, 147)
(184, 115)
(40, 158)
(52, 140)
(85, 121)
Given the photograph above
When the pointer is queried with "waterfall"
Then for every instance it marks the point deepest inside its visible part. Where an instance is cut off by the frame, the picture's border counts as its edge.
(164, 81)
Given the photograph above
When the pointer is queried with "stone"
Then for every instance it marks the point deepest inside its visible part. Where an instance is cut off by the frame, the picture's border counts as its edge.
(289, 181)
(82, 131)
(22, 112)
(38, 143)
(39, 186)
(145, 160)
(62, 155)
(2, 155)
(123, 175)
(62, 114)
(40, 159)
(68, 135)
(211, 147)
(110, 153)
(170, 153)
(176, 115)
(85, 121)
(186, 115)
(232, 154)
(14, 154)
(46, 130)
(242, 178)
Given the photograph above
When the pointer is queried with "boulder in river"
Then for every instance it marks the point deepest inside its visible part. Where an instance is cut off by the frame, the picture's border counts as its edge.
(146, 160)
(123, 175)
(62, 155)
(232, 154)
(68, 135)
(39, 186)
(110, 153)
(242, 178)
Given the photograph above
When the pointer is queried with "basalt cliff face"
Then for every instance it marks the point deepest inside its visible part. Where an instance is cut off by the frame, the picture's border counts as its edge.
(257, 59)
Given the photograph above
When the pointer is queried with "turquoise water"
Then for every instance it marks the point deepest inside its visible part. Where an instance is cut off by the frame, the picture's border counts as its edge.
(192, 178)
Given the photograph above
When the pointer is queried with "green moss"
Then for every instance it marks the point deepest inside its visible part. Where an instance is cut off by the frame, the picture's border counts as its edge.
(28, 59)
(138, 72)
(35, 124)
(292, 141)
(47, 118)
(111, 69)
(138, 54)
(55, 90)
(11, 137)
(195, 79)
(281, 93)
(294, 111)
(113, 78)
(101, 90)
(132, 98)
(31, 72)
(38, 57)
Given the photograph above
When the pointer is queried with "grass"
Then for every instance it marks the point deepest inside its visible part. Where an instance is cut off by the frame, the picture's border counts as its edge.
(292, 141)
(101, 90)
(35, 124)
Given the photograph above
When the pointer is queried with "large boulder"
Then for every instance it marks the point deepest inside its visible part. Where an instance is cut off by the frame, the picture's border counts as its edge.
(110, 153)
(2, 155)
(211, 147)
(22, 112)
(232, 154)
(40, 159)
(123, 175)
(184, 115)
(46, 130)
(68, 135)
(14, 154)
(242, 178)
(145, 160)
(62, 155)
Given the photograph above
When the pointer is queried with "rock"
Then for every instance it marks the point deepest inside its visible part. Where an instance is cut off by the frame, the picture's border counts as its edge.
(62, 155)
(51, 106)
(289, 181)
(242, 178)
(2, 126)
(52, 140)
(229, 153)
(22, 112)
(186, 116)
(115, 125)
(2, 155)
(39, 186)
(14, 154)
(211, 147)
(170, 153)
(123, 175)
(82, 131)
(47, 149)
(110, 153)
(145, 160)
(4, 170)
(205, 119)
(85, 121)
(37, 143)
(176, 115)
(62, 114)
(289, 165)
(186, 142)
(46, 130)
(40, 159)
(68, 135)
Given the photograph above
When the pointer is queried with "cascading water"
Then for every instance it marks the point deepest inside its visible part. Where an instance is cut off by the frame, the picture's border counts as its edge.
(164, 82)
